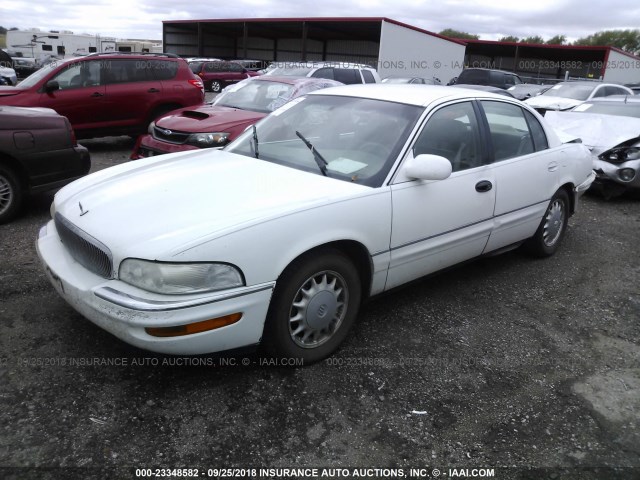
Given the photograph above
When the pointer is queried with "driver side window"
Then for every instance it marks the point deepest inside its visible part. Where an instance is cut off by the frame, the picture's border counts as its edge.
(452, 132)
(79, 75)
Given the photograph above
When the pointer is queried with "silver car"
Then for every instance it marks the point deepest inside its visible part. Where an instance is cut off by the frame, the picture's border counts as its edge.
(610, 127)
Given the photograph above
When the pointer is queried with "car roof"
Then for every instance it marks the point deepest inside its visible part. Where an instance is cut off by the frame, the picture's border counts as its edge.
(616, 99)
(292, 80)
(489, 70)
(484, 88)
(410, 94)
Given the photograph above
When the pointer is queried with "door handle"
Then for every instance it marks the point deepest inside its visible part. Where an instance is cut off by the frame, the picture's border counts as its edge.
(552, 167)
(153, 90)
(97, 94)
(484, 186)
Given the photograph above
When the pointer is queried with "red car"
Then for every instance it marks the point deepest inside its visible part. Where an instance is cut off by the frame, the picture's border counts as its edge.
(220, 122)
(109, 94)
(38, 152)
(217, 75)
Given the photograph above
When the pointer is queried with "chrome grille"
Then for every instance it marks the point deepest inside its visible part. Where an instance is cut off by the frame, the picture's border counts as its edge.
(169, 135)
(86, 250)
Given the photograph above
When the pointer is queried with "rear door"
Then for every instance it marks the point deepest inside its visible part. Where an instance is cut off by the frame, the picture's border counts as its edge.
(132, 91)
(81, 97)
(525, 171)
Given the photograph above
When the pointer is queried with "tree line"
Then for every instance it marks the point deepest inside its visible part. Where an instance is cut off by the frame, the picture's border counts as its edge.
(627, 40)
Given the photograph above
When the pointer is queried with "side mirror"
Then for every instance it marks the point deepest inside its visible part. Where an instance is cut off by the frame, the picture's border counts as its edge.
(51, 86)
(428, 167)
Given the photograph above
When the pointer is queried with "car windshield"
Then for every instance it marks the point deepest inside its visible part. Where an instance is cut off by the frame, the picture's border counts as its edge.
(359, 138)
(618, 108)
(38, 75)
(257, 96)
(567, 90)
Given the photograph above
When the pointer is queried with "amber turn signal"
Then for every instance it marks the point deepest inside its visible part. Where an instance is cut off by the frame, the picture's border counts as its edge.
(191, 328)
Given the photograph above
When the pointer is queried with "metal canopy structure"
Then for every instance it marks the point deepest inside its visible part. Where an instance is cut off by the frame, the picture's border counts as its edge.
(538, 61)
(282, 39)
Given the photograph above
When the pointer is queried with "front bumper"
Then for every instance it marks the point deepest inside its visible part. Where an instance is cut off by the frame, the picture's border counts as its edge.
(609, 172)
(147, 146)
(580, 190)
(125, 311)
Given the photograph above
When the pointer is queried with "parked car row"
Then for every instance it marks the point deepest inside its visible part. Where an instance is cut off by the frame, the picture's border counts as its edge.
(330, 162)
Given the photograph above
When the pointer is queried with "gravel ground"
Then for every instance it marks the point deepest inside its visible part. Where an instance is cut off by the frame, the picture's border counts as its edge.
(530, 367)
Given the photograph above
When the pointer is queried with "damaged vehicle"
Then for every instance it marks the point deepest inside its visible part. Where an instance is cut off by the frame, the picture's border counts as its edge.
(610, 127)
(567, 95)
(337, 196)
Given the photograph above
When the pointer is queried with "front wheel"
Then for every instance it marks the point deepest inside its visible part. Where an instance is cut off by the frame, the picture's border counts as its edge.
(216, 86)
(11, 194)
(551, 231)
(315, 303)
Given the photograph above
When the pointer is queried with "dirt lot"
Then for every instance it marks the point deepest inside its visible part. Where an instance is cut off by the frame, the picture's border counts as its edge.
(506, 363)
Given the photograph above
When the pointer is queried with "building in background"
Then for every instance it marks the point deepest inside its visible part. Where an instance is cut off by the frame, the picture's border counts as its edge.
(541, 62)
(392, 47)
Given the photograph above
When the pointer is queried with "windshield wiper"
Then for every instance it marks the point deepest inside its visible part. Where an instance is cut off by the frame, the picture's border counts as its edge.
(322, 163)
(255, 141)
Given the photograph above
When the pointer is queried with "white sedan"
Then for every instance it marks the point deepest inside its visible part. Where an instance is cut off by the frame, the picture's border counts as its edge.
(333, 198)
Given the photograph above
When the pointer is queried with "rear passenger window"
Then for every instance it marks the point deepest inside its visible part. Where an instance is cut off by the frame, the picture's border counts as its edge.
(537, 132)
(347, 76)
(216, 67)
(368, 76)
(323, 73)
(163, 69)
(124, 71)
(510, 134)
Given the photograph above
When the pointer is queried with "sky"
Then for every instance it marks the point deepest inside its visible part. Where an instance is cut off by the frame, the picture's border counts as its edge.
(491, 19)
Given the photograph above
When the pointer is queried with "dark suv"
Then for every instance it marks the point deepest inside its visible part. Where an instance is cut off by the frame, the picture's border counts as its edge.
(217, 75)
(109, 94)
(484, 76)
(38, 152)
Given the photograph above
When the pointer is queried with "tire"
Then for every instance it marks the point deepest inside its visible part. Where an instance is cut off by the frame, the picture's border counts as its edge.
(11, 194)
(552, 229)
(216, 86)
(314, 305)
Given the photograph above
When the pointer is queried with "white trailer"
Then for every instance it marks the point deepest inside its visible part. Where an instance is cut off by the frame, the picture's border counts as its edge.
(41, 44)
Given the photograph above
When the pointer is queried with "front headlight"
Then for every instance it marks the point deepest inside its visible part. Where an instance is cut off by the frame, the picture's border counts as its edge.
(179, 278)
(152, 125)
(207, 140)
(621, 154)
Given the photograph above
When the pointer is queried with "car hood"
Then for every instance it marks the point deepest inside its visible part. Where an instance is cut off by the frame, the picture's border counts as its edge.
(160, 207)
(552, 103)
(599, 132)
(6, 91)
(207, 118)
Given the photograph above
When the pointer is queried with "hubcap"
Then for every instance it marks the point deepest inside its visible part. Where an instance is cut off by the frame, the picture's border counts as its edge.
(554, 222)
(6, 194)
(318, 309)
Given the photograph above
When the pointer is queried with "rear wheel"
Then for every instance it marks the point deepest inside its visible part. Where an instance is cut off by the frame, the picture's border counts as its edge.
(315, 303)
(11, 194)
(216, 86)
(551, 231)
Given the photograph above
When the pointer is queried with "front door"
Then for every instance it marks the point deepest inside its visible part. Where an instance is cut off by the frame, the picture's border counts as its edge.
(440, 223)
